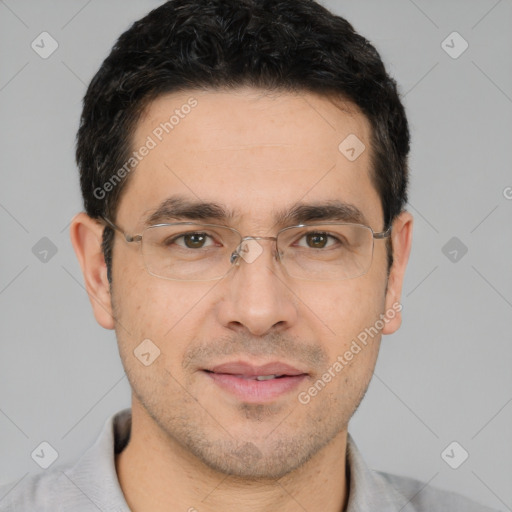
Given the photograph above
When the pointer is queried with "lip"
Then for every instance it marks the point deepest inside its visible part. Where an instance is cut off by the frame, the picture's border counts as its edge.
(236, 378)
(250, 370)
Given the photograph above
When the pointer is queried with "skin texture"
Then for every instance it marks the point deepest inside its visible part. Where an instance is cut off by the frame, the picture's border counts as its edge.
(192, 443)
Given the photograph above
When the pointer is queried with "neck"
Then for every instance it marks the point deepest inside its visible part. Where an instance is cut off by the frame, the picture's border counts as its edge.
(157, 474)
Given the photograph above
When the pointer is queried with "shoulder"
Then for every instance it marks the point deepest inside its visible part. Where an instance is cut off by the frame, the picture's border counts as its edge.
(89, 484)
(423, 497)
(62, 489)
(377, 490)
(34, 492)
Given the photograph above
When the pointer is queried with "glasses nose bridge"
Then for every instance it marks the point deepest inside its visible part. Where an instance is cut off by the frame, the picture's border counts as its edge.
(258, 238)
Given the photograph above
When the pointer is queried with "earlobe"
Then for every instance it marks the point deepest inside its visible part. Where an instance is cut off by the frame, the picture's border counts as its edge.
(86, 237)
(401, 242)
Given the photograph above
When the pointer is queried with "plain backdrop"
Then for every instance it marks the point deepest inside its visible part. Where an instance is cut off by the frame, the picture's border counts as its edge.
(444, 377)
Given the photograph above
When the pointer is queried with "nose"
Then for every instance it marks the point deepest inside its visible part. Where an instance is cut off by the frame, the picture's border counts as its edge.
(256, 294)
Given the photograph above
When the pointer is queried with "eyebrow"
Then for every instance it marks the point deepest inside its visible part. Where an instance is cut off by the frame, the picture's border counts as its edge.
(181, 208)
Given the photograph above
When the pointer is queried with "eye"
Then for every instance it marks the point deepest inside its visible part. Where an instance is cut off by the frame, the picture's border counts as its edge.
(192, 240)
(318, 240)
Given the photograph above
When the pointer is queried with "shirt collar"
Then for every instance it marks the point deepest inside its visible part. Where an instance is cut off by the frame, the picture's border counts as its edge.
(368, 489)
(94, 475)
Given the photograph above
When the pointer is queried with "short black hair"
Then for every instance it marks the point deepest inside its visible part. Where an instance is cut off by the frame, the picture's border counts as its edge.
(277, 45)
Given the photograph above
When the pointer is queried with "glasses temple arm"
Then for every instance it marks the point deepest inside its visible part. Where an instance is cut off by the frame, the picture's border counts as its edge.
(128, 238)
(383, 234)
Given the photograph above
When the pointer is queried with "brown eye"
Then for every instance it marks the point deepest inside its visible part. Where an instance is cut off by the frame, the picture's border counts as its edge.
(195, 240)
(317, 240)
(190, 241)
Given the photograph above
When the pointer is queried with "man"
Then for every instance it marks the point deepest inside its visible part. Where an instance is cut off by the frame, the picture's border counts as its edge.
(244, 172)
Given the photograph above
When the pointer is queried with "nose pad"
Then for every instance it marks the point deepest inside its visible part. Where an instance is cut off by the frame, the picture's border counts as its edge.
(249, 250)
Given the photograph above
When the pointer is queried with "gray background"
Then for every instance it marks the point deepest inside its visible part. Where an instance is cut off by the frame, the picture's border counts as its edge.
(445, 376)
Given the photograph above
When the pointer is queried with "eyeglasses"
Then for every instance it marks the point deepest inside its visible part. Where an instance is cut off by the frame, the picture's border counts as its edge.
(188, 251)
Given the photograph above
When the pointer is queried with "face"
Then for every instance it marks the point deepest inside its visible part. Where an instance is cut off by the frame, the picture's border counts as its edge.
(254, 154)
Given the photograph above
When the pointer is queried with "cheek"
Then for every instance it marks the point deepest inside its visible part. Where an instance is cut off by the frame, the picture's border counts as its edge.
(348, 307)
(350, 311)
(165, 312)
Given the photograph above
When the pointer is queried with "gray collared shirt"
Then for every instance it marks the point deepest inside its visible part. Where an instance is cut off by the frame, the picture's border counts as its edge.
(91, 485)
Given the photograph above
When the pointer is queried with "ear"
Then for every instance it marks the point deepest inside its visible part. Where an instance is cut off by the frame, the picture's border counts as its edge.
(86, 237)
(401, 236)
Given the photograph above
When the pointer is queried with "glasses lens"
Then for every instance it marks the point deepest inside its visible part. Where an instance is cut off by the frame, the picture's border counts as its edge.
(186, 251)
(326, 251)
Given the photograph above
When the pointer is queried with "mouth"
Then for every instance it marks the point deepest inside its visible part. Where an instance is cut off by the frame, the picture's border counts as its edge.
(256, 384)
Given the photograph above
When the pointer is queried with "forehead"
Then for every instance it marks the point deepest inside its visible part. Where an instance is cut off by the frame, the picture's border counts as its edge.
(253, 151)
